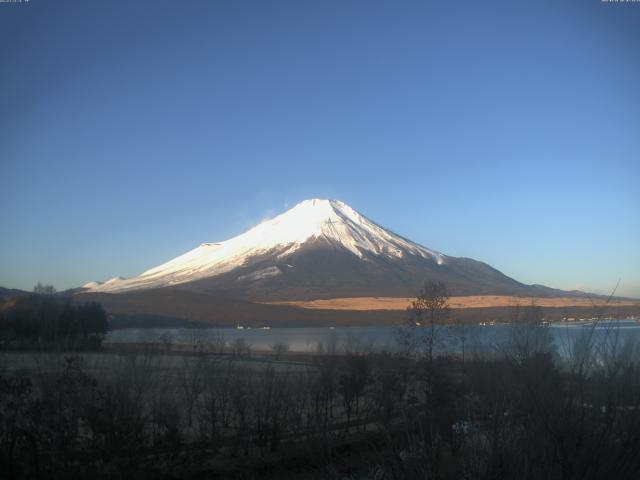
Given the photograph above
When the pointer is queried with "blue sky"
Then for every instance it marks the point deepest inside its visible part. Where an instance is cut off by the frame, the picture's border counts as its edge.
(504, 131)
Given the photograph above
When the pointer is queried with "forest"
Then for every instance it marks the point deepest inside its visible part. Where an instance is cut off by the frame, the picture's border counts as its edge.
(47, 320)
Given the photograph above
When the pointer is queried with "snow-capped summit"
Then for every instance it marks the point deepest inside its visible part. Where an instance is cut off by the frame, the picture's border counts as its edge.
(331, 222)
(317, 249)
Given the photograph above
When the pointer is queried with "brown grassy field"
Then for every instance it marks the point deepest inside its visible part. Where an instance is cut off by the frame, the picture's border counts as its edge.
(475, 301)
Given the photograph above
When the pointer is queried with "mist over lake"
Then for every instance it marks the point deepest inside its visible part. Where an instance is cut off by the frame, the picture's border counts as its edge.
(482, 338)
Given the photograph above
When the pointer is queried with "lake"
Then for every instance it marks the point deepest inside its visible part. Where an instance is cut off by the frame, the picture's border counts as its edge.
(313, 339)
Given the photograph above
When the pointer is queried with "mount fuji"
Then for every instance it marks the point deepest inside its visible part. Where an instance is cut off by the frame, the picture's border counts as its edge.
(318, 249)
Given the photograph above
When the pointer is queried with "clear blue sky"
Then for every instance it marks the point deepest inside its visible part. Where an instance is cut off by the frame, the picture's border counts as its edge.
(506, 131)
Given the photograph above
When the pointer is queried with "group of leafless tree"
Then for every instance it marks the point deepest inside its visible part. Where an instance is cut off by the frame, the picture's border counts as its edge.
(520, 411)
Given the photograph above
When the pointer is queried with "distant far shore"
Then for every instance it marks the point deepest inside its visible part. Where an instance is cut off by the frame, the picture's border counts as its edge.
(472, 301)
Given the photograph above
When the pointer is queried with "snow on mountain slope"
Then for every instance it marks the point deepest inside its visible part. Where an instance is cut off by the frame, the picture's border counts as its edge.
(329, 220)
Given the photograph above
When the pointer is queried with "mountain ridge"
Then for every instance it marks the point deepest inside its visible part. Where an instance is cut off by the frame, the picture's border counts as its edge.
(314, 219)
(320, 249)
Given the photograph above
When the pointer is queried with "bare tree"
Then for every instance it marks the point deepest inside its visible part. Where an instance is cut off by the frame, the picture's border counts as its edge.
(218, 342)
(280, 349)
(166, 340)
(215, 407)
(41, 289)
(528, 334)
(192, 383)
(240, 347)
(429, 311)
(462, 331)
(354, 378)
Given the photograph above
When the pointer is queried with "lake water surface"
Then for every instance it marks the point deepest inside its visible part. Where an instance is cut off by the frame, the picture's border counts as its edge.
(312, 339)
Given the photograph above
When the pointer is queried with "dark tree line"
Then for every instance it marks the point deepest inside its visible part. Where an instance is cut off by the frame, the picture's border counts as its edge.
(46, 318)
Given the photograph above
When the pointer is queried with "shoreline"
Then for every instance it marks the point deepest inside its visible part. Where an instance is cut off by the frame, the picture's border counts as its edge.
(460, 302)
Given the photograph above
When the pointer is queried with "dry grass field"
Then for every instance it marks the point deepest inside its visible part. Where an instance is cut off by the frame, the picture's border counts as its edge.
(475, 301)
